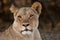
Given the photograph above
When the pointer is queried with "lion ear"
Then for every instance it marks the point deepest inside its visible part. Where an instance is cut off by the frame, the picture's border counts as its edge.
(13, 9)
(37, 6)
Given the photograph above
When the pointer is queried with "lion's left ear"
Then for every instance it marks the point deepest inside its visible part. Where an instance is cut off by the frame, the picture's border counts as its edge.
(37, 6)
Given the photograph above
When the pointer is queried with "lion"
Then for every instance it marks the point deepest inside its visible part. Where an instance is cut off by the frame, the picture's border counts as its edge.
(25, 25)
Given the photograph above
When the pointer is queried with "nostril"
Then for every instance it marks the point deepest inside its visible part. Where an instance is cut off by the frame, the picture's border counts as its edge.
(25, 25)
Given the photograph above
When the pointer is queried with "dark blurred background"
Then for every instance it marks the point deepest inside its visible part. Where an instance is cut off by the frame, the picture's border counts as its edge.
(49, 20)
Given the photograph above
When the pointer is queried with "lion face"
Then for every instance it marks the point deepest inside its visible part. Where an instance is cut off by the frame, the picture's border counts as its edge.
(25, 19)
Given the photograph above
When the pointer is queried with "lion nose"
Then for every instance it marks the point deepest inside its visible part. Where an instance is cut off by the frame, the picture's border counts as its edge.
(25, 25)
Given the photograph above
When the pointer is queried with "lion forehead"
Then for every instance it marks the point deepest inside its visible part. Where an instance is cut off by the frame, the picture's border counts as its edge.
(25, 10)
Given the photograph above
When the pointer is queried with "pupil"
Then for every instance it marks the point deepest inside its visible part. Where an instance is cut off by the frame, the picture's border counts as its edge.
(31, 15)
(19, 16)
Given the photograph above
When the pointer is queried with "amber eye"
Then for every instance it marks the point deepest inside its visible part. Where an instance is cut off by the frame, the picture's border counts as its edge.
(31, 15)
(19, 16)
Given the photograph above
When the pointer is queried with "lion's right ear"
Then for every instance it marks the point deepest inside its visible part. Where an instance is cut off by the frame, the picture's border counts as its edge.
(13, 9)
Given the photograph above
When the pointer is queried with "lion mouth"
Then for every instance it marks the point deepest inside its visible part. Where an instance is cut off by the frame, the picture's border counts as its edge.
(26, 31)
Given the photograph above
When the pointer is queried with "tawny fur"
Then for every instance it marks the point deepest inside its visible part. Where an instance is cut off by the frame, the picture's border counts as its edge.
(22, 16)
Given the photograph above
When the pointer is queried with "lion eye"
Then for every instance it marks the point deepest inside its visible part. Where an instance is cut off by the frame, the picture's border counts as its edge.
(19, 16)
(31, 15)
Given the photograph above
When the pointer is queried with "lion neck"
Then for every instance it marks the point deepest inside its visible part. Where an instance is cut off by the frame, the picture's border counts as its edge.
(20, 36)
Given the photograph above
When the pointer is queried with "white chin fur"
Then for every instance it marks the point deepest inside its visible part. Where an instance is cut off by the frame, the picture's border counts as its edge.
(26, 32)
